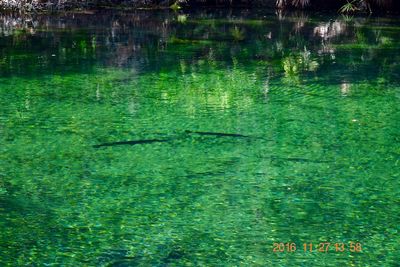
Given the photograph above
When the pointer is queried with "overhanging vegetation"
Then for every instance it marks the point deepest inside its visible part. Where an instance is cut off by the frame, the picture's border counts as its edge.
(344, 6)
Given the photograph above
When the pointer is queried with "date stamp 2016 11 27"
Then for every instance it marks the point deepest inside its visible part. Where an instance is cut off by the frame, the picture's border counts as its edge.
(323, 247)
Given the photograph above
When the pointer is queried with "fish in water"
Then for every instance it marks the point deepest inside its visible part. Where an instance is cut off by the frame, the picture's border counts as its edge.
(216, 134)
(134, 142)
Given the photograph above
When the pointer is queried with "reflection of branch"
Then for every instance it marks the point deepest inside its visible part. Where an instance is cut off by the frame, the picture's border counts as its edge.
(300, 3)
(282, 4)
(10, 23)
(300, 19)
(330, 29)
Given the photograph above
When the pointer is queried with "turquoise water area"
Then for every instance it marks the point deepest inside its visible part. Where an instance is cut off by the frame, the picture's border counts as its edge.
(266, 129)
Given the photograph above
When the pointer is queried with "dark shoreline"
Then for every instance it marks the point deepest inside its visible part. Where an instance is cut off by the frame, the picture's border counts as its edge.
(189, 5)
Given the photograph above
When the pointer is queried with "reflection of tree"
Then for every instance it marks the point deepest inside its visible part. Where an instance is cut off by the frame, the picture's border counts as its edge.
(136, 40)
(330, 29)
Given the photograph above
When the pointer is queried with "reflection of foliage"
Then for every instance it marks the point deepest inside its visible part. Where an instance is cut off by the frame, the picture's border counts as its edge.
(237, 33)
(294, 3)
(182, 18)
(293, 65)
(202, 33)
(349, 7)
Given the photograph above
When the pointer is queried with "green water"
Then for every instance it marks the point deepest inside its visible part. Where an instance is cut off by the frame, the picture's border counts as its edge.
(316, 99)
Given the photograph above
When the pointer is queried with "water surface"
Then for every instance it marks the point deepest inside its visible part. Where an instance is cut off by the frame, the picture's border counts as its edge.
(311, 103)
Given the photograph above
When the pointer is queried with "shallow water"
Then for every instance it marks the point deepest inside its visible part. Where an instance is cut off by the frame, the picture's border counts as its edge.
(312, 103)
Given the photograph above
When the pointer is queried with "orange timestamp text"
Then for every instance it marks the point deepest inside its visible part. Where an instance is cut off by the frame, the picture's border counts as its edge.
(323, 247)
